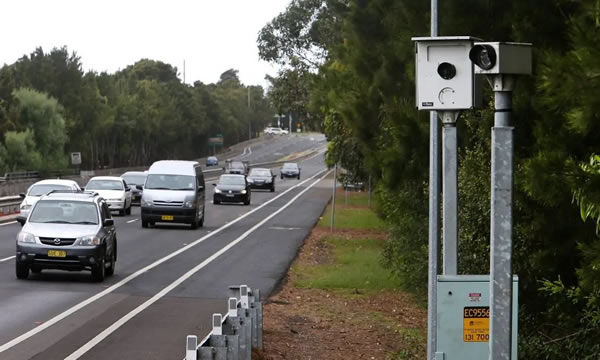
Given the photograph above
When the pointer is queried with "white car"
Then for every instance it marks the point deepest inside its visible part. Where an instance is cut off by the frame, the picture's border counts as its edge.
(41, 188)
(114, 190)
(275, 131)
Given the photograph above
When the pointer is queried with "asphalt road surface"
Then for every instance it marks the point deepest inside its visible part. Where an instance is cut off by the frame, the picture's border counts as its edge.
(169, 279)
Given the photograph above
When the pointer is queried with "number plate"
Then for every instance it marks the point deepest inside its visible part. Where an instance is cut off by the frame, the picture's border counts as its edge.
(57, 253)
(476, 324)
(167, 217)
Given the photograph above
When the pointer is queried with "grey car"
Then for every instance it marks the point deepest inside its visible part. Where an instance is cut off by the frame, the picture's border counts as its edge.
(68, 231)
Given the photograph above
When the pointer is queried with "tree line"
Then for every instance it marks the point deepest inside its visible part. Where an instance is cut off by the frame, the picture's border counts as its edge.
(356, 60)
(50, 107)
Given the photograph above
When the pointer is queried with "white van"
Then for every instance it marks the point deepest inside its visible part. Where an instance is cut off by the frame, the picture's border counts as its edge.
(173, 193)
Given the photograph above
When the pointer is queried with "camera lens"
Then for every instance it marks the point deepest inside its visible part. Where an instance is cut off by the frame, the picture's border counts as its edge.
(446, 70)
(483, 56)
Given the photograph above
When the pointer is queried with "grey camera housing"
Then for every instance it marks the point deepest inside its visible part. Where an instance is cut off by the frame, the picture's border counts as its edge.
(511, 58)
(460, 88)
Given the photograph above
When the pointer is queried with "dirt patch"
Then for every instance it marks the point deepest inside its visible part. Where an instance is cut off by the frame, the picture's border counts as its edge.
(302, 323)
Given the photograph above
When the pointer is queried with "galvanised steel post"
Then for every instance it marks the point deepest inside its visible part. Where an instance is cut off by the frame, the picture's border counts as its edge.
(450, 193)
(501, 222)
(434, 213)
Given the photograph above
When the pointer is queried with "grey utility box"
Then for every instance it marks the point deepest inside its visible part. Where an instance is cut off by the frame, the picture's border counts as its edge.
(463, 318)
(444, 73)
(508, 58)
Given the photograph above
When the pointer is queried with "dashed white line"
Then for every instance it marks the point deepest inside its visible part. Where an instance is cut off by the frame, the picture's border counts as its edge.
(131, 221)
(8, 223)
(138, 273)
(8, 258)
(116, 325)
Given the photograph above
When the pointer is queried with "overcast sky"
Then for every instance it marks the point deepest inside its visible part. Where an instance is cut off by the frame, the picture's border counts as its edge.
(210, 35)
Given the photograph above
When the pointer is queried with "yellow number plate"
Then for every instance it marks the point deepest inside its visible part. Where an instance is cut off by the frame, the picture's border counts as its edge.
(57, 253)
(167, 217)
(476, 324)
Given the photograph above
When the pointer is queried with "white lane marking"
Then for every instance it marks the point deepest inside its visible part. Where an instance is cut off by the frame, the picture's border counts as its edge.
(116, 325)
(131, 221)
(8, 223)
(8, 258)
(141, 271)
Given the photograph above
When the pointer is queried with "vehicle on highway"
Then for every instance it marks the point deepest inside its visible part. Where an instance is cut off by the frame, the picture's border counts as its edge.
(174, 193)
(276, 131)
(236, 167)
(290, 170)
(284, 132)
(68, 231)
(261, 178)
(212, 161)
(40, 188)
(114, 190)
(133, 179)
(232, 188)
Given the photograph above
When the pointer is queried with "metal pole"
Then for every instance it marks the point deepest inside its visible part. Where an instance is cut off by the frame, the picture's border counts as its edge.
(434, 214)
(290, 125)
(333, 197)
(450, 193)
(249, 117)
(501, 223)
(369, 201)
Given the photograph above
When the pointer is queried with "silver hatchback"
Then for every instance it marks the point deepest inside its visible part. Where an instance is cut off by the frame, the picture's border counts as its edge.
(68, 231)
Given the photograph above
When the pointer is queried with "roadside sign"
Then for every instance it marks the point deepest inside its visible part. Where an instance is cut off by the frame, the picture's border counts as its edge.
(216, 141)
(75, 158)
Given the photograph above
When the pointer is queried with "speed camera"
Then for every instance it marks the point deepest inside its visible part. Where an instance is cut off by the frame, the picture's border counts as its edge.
(501, 58)
(444, 73)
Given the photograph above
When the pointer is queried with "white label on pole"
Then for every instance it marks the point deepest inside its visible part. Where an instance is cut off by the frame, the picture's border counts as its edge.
(75, 158)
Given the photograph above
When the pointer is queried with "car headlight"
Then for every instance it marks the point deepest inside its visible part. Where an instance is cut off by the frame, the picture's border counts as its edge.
(88, 240)
(146, 203)
(250, 180)
(243, 191)
(217, 191)
(25, 237)
(25, 207)
(188, 204)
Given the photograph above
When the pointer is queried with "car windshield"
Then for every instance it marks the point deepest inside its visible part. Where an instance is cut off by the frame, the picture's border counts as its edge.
(104, 185)
(41, 189)
(64, 212)
(290, 166)
(260, 172)
(134, 179)
(232, 180)
(170, 182)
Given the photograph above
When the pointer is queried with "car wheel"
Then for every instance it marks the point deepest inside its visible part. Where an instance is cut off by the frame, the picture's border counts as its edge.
(194, 224)
(247, 201)
(122, 212)
(144, 224)
(216, 202)
(99, 271)
(281, 177)
(113, 259)
(298, 176)
(201, 221)
(128, 211)
(22, 270)
(36, 269)
(273, 188)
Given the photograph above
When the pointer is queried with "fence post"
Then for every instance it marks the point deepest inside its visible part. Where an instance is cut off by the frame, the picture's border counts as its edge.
(217, 328)
(191, 344)
(244, 296)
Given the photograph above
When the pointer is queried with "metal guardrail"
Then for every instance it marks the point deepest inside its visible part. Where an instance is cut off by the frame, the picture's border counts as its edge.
(9, 205)
(233, 335)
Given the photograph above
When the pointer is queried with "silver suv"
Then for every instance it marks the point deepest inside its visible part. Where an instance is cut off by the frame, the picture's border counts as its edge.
(68, 231)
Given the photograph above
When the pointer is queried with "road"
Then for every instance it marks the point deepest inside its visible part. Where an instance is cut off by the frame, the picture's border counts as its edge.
(169, 279)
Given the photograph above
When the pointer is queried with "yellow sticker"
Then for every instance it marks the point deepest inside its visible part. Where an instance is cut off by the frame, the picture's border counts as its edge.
(476, 324)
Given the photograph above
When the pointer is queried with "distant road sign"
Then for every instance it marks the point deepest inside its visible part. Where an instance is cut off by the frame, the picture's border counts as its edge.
(216, 141)
(75, 158)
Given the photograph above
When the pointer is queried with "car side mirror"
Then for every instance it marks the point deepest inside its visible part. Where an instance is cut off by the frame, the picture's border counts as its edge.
(214, 184)
(139, 187)
(128, 189)
(109, 222)
(22, 195)
(82, 189)
(200, 187)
